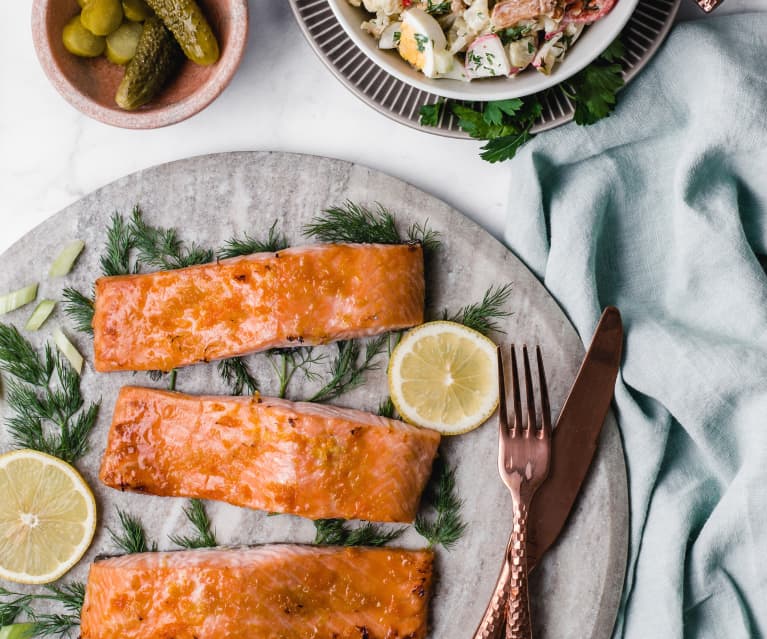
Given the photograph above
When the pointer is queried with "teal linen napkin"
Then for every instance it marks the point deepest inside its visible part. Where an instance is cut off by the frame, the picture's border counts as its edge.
(661, 210)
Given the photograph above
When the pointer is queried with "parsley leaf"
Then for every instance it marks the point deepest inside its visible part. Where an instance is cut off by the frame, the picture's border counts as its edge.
(493, 113)
(430, 113)
(593, 90)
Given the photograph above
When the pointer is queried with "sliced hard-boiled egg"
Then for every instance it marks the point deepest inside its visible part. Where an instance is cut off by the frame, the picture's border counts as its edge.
(486, 58)
(390, 36)
(420, 37)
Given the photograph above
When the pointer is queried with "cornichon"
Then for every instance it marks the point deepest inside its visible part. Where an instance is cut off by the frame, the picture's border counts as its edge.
(157, 58)
(187, 23)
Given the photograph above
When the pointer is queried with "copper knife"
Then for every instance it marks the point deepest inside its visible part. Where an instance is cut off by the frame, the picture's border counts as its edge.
(576, 435)
(574, 443)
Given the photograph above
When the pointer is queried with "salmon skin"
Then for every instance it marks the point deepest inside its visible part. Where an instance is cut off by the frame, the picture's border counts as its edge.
(312, 460)
(269, 592)
(302, 295)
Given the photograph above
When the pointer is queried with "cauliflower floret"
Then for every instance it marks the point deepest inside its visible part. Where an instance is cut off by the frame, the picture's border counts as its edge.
(385, 7)
(377, 25)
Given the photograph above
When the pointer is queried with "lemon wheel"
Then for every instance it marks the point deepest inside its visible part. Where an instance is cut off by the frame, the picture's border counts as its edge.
(444, 376)
(47, 517)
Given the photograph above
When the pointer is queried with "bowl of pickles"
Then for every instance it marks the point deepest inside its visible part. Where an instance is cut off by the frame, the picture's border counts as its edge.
(140, 64)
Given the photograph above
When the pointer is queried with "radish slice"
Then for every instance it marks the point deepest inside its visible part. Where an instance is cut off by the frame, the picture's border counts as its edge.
(68, 350)
(40, 314)
(486, 58)
(16, 299)
(66, 259)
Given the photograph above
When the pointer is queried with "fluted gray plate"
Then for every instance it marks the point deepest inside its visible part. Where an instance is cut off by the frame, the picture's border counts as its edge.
(644, 33)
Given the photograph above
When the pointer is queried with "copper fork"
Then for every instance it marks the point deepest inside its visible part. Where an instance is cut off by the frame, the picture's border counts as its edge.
(523, 463)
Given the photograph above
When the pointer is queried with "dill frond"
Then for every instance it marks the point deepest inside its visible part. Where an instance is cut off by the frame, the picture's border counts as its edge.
(482, 315)
(421, 233)
(116, 257)
(155, 376)
(205, 537)
(354, 223)
(446, 527)
(70, 596)
(132, 537)
(337, 532)
(347, 371)
(287, 361)
(79, 309)
(47, 406)
(247, 245)
(386, 408)
(236, 374)
(55, 625)
(162, 248)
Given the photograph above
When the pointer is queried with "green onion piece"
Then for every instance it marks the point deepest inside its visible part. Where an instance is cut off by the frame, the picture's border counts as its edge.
(17, 631)
(66, 259)
(68, 350)
(15, 299)
(37, 319)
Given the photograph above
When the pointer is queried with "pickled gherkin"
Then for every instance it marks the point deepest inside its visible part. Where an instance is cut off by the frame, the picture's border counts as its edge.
(186, 21)
(157, 58)
(101, 17)
(81, 42)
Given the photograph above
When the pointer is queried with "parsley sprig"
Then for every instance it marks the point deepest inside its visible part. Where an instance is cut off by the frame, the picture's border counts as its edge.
(48, 412)
(506, 125)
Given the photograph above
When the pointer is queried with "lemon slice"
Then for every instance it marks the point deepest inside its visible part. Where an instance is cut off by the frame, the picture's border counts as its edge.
(444, 376)
(47, 517)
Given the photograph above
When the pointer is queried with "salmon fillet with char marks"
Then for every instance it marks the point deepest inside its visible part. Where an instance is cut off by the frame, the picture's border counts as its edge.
(269, 592)
(306, 459)
(302, 295)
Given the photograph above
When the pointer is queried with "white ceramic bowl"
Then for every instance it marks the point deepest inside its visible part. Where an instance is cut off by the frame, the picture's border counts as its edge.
(595, 39)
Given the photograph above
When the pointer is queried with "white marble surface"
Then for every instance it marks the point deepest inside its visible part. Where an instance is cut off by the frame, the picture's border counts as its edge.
(51, 155)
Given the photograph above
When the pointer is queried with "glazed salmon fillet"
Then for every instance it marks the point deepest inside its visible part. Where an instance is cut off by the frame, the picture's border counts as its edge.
(312, 460)
(302, 295)
(269, 592)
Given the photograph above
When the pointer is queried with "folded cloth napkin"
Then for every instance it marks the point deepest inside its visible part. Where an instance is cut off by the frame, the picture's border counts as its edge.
(661, 210)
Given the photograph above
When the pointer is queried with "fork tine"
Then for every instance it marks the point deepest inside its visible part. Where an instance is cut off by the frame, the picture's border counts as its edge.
(515, 392)
(529, 397)
(545, 408)
(503, 421)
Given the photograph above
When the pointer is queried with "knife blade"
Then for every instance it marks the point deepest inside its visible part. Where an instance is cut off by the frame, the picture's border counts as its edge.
(576, 435)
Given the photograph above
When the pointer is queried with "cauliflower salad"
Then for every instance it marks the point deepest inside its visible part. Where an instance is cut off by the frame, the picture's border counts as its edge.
(470, 39)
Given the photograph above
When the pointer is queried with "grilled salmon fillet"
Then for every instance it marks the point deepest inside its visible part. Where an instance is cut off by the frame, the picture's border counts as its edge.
(269, 454)
(302, 295)
(269, 592)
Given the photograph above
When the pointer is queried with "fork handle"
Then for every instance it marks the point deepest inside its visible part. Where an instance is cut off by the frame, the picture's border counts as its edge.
(518, 624)
(493, 621)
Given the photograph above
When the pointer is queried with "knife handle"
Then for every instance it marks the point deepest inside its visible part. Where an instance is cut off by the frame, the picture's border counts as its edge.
(493, 621)
(518, 612)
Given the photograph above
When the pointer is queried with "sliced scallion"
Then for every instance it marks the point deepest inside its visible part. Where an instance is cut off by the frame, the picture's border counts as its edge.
(41, 313)
(66, 259)
(68, 350)
(16, 299)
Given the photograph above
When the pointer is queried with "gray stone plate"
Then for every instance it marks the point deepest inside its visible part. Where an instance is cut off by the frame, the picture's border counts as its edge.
(577, 588)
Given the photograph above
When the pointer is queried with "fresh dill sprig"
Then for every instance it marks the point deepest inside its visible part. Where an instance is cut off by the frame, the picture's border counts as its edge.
(236, 247)
(70, 596)
(132, 537)
(421, 233)
(447, 526)
(172, 379)
(162, 248)
(337, 532)
(482, 315)
(347, 371)
(206, 537)
(386, 408)
(355, 223)
(287, 361)
(116, 257)
(44, 389)
(236, 374)
(79, 309)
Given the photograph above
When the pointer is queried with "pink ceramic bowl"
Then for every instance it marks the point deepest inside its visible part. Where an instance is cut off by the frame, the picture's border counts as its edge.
(90, 84)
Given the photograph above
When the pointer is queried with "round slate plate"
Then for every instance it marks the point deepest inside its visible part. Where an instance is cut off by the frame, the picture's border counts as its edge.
(401, 102)
(210, 198)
